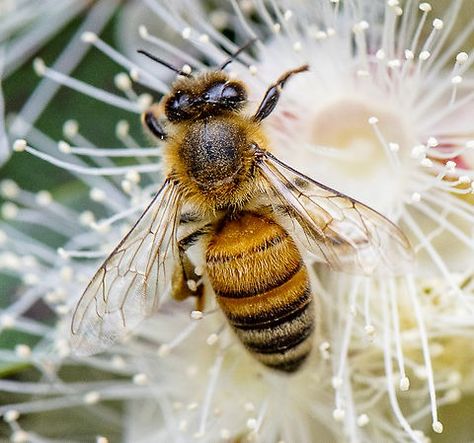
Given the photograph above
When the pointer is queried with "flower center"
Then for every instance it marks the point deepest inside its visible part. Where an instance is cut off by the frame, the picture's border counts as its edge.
(358, 147)
(345, 125)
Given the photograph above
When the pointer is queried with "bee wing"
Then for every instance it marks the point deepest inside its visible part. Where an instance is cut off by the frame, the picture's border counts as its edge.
(340, 231)
(128, 285)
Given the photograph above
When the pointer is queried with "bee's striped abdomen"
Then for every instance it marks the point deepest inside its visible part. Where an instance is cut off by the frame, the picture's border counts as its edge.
(263, 288)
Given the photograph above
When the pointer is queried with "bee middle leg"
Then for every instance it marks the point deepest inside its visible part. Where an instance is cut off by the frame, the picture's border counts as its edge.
(271, 97)
(186, 282)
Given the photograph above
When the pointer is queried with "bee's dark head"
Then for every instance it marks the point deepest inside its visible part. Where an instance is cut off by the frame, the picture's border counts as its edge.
(208, 94)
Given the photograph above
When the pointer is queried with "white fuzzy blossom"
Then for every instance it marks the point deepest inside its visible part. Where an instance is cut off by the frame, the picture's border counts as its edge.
(383, 115)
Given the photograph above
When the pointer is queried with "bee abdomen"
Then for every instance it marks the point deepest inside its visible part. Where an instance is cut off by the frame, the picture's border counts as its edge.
(263, 288)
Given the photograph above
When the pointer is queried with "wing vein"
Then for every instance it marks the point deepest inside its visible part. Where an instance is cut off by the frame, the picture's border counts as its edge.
(119, 295)
(340, 231)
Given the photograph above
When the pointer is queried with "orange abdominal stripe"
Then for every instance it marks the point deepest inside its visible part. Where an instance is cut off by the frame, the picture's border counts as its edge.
(263, 288)
(278, 303)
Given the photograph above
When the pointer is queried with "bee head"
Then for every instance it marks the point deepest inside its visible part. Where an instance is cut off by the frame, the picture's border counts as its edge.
(209, 94)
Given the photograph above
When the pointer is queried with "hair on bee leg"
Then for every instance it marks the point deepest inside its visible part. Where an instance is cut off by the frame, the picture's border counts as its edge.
(197, 291)
(200, 298)
(186, 282)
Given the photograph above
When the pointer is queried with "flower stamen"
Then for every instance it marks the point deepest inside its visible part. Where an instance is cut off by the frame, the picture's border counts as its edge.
(151, 81)
(84, 88)
(404, 380)
(344, 347)
(118, 170)
(211, 387)
(434, 255)
(390, 383)
(389, 148)
(171, 49)
(437, 426)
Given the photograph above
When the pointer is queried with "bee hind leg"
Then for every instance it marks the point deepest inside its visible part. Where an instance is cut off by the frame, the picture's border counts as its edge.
(271, 97)
(186, 282)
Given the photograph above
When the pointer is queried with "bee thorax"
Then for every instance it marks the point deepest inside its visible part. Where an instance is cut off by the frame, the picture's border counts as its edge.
(212, 152)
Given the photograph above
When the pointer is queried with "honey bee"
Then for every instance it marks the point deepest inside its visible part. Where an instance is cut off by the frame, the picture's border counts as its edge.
(254, 217)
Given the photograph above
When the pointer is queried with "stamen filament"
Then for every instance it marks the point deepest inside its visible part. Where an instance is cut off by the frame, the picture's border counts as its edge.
(396, 329)
(425, 347)
(211, 387)
(117, 152)
(390, 382)
(152, 82)
(87, 89)
(118, 170)
(70, 57)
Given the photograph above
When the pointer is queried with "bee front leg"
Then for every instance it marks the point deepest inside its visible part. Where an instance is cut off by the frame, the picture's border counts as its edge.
(151, 121)
(271, 97)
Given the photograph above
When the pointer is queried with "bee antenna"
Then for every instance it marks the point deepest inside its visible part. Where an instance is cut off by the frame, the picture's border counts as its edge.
(162, 62)
(236, 53)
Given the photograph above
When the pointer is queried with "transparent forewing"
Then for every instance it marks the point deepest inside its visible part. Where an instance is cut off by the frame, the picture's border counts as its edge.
(340, 231)
(128, 285)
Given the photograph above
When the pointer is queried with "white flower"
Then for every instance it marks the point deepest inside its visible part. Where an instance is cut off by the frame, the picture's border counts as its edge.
(378, 117)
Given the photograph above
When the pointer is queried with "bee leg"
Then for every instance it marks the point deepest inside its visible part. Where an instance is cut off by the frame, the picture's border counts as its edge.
(185, 281)
(271, 97)
(151, 121)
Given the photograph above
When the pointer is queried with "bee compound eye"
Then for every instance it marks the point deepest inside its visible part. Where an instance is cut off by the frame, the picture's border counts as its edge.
(177, 106)
(213, 94)
(233, 94)
(230, 92)
(179, 101)
(226, 94)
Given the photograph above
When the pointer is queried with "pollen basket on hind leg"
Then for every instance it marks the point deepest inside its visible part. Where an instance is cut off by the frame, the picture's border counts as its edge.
(262, 286)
